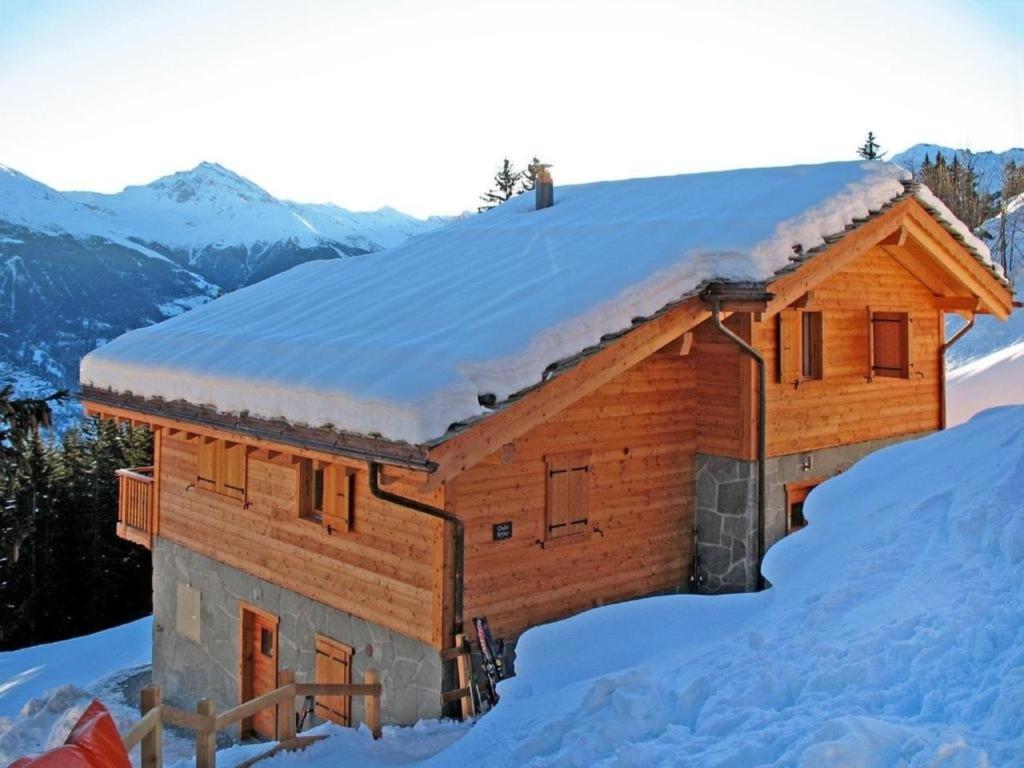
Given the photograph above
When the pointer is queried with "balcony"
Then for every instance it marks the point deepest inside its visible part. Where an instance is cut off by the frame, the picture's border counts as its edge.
(135, 505)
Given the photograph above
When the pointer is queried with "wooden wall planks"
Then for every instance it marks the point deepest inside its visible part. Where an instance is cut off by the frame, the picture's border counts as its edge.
(389, 569)
(640, 431)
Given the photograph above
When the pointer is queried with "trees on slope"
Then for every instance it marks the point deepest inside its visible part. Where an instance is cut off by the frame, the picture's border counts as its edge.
(63, 571)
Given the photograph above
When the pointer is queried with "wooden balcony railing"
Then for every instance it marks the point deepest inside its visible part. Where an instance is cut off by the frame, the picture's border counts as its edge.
(135, 505)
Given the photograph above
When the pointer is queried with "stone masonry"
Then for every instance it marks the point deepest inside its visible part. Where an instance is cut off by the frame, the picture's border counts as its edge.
(411, 671)
(726, 507)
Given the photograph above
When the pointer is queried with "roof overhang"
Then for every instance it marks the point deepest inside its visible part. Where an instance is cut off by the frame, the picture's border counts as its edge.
(317, 443)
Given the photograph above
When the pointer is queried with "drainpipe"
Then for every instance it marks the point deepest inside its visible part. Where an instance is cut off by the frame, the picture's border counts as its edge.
(942, 360)
(427, 509)
(762, 426)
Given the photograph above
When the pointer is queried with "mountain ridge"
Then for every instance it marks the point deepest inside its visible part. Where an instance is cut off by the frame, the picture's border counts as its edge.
(79, 268)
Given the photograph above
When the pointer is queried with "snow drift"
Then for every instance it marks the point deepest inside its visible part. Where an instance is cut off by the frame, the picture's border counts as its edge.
(995, 379)
(893, 635)
(404, 344)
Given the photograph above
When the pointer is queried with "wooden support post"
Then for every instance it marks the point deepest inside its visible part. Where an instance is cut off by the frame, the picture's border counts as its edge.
(206, 740)
(152, 747)
(372, 704)
(465, 670)
(286, 707)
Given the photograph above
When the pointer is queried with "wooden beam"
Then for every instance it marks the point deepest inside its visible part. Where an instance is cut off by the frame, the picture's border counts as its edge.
(469, 447)
(679, 347)
(803, 302)
(995, 297)
(959, 303)
(899, 237)
(790, 286)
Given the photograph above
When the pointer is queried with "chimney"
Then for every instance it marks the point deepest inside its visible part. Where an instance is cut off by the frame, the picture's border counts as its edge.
(544, 187)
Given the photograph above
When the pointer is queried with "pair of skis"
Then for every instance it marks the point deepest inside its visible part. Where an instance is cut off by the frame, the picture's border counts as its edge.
(493, 659)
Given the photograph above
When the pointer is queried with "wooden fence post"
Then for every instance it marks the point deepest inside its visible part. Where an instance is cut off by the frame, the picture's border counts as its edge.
(152, 747)
(286, 707)
(372, 704)
(206, 740)
(467, 706)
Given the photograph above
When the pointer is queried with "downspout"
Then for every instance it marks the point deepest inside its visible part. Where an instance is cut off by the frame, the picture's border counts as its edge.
(942, 360)
(427, 509)
(762, 427)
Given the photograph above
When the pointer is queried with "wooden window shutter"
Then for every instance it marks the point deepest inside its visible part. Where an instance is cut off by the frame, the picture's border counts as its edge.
(890, 344)
(333, 665)
(232, 470)
(206, 475)
(790, 356)
(568, 489)
(339, 498)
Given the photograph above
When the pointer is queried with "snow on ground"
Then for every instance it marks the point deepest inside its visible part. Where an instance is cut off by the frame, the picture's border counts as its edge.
(893, 635)
(404, 344)
(44, 689)
(995, 379)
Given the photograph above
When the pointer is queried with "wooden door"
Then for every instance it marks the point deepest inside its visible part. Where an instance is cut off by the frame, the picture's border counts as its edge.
(259, 669)
(333, 665)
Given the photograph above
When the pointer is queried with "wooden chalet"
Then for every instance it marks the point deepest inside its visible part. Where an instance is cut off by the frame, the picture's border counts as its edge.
(666, 458)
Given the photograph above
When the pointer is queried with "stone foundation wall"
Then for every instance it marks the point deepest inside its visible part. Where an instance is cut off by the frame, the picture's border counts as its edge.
(726, 507)
(411, 671)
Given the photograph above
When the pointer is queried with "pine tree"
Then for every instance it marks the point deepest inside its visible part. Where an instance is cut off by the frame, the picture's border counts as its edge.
(870, 149)
(506, 181)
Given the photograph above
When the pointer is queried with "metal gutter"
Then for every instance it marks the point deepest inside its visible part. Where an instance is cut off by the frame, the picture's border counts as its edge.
(942, 360)
(436, 512)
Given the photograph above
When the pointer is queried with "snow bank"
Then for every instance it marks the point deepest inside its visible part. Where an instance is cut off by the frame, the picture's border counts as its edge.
(893, 635)
(30, 672)
(403, 344)
(995, 379)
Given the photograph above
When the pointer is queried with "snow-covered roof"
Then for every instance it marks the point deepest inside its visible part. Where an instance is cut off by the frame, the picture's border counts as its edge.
(404, 343)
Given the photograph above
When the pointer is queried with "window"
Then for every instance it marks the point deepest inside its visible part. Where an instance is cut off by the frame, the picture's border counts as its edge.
(326, 494)
(266, 642)
(568, 483)
(811, 345)
(796, 495)
(890, 344)
(221, 467)
(801, 346)
(333, 665)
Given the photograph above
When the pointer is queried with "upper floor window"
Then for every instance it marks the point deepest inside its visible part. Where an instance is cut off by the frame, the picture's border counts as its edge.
(890, 344)
(326, 494)
(221, 467)
(801, 345)
(812, 343)
(568, 486)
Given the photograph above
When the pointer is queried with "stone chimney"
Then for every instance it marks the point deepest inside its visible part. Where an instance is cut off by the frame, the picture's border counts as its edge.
(544, 189)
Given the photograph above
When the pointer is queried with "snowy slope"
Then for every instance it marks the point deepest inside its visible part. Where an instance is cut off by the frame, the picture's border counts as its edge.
(405, 344)
(82, 661)
(988, 164)
(990, 335)
(995, 379)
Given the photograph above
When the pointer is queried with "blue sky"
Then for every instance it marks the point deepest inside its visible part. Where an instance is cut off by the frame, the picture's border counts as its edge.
(412, 104)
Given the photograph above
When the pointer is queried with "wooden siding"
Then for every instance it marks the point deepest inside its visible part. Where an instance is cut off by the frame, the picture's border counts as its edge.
(389, 569)
(848, 406)
(640, 433)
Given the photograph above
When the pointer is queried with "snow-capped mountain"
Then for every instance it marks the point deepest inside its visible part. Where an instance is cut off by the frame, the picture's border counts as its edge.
(78, 268)
(988, 165)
